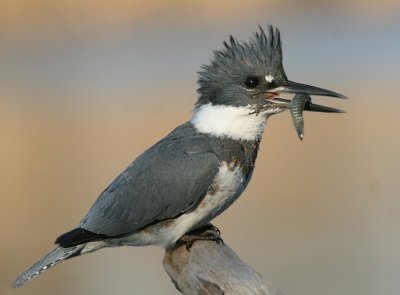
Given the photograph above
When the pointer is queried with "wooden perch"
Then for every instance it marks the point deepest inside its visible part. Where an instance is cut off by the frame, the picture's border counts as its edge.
(211, 268)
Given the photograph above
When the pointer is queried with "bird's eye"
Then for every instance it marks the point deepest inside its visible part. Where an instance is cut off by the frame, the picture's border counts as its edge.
(252, 82)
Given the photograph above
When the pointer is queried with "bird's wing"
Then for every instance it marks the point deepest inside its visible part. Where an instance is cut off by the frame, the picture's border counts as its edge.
(166, 180)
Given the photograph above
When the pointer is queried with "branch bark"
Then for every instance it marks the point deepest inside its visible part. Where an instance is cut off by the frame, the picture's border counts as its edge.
(211, 268)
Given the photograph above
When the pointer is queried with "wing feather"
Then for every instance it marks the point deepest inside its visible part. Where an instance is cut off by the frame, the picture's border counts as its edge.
(168, 179)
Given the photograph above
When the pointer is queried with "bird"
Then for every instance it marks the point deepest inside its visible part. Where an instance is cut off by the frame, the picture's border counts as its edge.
(200, 168)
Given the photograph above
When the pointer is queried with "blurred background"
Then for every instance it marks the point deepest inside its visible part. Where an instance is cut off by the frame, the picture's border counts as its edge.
(86, 86)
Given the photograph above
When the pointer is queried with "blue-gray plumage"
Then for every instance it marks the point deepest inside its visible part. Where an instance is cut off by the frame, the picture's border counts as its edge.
(167, 180)
(198, 170)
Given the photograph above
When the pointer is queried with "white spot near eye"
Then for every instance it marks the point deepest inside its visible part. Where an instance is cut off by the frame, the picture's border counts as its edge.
(269, 78)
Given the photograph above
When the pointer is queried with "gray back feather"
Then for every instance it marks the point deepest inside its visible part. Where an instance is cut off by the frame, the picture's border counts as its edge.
(165, 181)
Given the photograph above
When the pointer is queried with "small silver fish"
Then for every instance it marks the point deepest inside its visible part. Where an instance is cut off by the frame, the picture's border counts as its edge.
(297, 106)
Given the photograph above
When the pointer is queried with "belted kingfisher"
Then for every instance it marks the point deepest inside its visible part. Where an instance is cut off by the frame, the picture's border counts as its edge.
(198, 170)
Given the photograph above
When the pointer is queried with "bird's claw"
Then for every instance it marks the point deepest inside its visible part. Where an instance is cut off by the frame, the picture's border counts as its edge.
(206, 233)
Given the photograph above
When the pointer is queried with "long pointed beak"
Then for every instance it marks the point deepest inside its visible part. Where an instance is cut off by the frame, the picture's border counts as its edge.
(312, 107)
(302, 101)
(308, 106)
(293, 87)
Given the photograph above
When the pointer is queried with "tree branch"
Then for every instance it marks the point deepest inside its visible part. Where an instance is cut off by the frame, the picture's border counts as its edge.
(211, 268)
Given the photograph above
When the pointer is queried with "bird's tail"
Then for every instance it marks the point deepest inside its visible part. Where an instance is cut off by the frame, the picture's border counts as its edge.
(54, 257)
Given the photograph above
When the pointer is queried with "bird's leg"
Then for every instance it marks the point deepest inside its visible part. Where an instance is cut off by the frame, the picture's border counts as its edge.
(207, 232)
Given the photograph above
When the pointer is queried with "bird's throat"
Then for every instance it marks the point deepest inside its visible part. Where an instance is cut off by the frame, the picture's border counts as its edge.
(229, 121)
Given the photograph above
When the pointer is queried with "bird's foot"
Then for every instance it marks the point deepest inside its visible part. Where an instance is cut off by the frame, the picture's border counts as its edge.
(205, 233)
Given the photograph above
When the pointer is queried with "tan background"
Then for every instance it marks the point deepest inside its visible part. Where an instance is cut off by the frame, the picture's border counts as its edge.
(86, 86)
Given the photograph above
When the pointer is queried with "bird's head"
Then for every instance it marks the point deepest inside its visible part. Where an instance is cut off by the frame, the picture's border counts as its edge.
(248, 76)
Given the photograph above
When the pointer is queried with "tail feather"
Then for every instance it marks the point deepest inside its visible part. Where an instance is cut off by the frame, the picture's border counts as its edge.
(54, 257)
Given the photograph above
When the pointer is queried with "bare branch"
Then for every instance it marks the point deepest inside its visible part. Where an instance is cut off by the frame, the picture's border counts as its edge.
(211, 268)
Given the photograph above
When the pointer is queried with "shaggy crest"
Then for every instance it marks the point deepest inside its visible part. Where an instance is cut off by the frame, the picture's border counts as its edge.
(260, 55)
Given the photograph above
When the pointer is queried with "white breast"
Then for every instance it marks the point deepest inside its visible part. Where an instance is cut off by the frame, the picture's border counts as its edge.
(227, 186)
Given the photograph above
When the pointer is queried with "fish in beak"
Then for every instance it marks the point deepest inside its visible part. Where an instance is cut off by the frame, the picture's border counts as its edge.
(301, 101)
